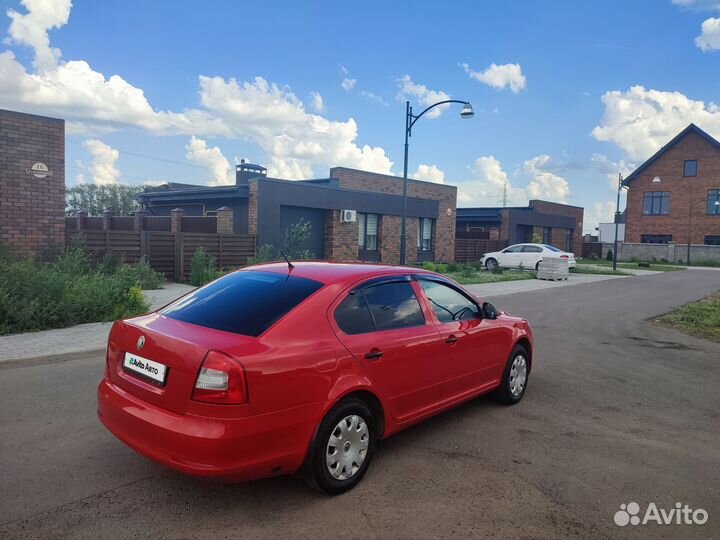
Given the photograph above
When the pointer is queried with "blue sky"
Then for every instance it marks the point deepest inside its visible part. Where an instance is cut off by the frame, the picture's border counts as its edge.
(158, 91)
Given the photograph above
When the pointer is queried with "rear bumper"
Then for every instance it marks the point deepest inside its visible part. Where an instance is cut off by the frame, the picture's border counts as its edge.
(230, 449)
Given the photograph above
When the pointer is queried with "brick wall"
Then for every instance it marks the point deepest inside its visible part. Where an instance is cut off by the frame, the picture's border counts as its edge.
(683, 192)
(558, 236)
(252, 207)
(32, 210)
(444, 235)
(341, 239)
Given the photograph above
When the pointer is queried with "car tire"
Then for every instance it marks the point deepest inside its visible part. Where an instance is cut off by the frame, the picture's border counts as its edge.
(515, 377)
(491, 264)
(352, 421)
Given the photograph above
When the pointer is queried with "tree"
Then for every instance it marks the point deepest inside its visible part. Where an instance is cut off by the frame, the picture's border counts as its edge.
(94, 199)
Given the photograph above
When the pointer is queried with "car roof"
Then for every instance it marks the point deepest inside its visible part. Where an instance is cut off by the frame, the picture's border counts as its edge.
(336, 272)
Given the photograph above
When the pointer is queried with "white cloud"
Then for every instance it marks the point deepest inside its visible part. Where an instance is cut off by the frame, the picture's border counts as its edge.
(640, 121)
(603, 164)
(598, 212)
(103, 162)
(709, 38)
(348, 84)
(31, 28)
(545, 184)
(198, 152)
(317, 102)
(499, 76)
(265, 113)
(374, 97)
(431, 173)
(423, 95)
(488, 185)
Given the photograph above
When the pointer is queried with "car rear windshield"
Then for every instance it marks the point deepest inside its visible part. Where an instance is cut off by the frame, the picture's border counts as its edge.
(553, 248)
(246, 303)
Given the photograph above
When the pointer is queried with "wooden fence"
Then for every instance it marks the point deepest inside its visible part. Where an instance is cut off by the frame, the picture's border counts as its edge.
(589, 248)
(472, 249)
(166, 243)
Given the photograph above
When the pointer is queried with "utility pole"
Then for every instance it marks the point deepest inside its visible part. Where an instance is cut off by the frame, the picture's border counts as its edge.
(505, 189)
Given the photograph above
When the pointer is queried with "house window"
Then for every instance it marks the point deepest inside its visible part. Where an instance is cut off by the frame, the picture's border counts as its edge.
(368, 232)
(712, 240)
(690, 167)
(425, 229)
(569, 240)
(211, 213)
(655, 238)
(713, 197)
(547, 235)
(656, 203)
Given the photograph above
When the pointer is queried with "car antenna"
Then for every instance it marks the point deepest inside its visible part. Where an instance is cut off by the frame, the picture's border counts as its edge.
(290, 265)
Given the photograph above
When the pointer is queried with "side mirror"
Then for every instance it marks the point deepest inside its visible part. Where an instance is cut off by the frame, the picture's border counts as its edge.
(489, 311)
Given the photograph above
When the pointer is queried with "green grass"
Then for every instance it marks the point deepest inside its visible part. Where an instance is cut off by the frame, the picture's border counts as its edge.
(700, 318)
(70, 290)
(599, 271)
(468, 277)
(655, 267)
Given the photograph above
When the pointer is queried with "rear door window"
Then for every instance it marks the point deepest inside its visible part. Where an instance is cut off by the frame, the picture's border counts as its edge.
(385, 306)
(532, 249)
(246, 303)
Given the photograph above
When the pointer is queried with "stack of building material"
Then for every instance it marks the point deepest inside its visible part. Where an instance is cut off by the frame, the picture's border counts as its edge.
(553, 268)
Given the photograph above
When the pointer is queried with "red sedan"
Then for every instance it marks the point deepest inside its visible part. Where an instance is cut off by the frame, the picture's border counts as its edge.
(277, 370)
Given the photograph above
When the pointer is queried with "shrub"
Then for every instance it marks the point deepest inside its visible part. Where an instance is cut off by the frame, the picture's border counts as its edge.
(609, 255)
(441, 268)
(37, 295)
(498, 270)
(203, 268)
(467, 271)
(264, 254)
(593, 257)
(429, 266)
(453, 267)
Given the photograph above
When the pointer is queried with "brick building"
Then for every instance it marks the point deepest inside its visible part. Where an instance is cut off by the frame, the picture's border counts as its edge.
(559, 225)
(675, 193)
(268, 207)
(32, 182)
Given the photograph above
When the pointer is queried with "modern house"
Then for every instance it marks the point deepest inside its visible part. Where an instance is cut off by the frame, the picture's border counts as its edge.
(353, 214)
(674, 197)
(556, 224)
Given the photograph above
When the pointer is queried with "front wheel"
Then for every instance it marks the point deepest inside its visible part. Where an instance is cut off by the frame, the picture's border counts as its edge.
(343, 447)
(515, 377)
(491, 264)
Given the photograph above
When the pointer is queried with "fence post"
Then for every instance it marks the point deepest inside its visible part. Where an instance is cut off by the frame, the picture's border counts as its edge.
(224, 226)
(81, 217)
(139, 226)
(176, 216)
(107, 226)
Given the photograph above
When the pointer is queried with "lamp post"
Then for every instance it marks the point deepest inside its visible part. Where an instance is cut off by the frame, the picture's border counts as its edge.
(410, 119)
(617, 220)
(692, 205)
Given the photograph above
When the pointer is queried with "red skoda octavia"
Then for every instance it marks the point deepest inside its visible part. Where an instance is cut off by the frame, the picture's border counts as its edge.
(277, 370)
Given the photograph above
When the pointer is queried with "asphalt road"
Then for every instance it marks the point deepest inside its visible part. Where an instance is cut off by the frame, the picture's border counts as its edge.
(617, 410)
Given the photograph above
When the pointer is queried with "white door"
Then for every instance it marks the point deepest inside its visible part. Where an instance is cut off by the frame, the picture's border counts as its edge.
(531, 255)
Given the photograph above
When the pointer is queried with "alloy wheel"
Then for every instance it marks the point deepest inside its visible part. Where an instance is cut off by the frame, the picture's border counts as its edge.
(518, 375)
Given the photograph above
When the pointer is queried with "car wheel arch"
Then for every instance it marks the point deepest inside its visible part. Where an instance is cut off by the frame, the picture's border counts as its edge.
(524, 342)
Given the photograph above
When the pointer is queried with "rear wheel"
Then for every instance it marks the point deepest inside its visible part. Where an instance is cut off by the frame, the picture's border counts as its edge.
(491, 264)
(515, 377)
(343, 447)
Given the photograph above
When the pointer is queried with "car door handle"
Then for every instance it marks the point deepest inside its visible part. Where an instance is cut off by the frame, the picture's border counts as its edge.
(451, 339)
(374, 354)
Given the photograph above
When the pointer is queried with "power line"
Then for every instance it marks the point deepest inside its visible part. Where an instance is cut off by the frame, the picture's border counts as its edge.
(163, 159)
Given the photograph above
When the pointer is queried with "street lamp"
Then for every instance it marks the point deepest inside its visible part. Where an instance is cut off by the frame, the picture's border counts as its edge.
(617, 218)
(410, 119)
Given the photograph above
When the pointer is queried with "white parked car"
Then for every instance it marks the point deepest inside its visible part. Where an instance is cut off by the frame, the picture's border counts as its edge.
(527, 256)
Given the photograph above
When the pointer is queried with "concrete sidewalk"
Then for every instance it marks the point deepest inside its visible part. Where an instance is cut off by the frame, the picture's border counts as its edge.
(489, 290)
(79, 338)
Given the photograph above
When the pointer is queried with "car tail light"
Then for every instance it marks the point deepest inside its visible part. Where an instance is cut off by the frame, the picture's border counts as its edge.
(221, 380)
(564, 257)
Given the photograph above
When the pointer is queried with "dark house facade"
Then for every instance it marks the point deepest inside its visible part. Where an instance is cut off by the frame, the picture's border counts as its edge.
(353, 214)
(559, 225)
(674, 197)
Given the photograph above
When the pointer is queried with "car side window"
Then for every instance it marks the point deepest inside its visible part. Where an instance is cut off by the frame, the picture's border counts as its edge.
(353, 315)
(532, 249)
(394, 305)
(513, 249)
(447, 303)
(385, 306)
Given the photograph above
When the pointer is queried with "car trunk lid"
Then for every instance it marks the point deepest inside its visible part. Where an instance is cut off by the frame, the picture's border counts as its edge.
(179, 346)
